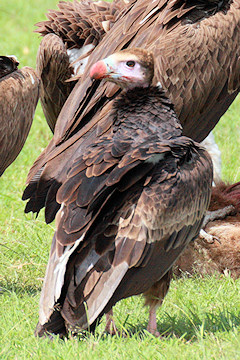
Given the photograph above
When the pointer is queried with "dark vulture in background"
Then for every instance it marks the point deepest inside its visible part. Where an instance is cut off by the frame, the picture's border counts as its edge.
(19, 92)
(196, 49)
(71, 32)
(130, 203)
(195, 44)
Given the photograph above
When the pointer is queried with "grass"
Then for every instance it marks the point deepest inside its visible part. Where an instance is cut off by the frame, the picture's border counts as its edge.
(199, 319)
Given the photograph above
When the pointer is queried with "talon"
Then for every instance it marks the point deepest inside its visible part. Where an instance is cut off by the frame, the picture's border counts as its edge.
(210, 239)
(215, 238)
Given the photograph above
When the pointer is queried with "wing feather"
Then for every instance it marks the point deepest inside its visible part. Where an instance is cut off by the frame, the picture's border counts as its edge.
(19, 92)
(53, 67)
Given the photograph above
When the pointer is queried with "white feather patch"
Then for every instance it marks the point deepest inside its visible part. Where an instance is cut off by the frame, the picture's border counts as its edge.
(148, 15)
(106, 25)
(213, 149)
(14, 57)
(74, 54)
(61, 267)
(32, 79)
(54, 280)
(86, 266)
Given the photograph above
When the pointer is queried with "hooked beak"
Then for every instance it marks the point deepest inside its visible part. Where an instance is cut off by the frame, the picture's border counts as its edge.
(99, 70)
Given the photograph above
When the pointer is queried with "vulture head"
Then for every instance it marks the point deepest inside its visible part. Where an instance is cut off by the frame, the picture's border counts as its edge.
(128, 68)
(8, 64)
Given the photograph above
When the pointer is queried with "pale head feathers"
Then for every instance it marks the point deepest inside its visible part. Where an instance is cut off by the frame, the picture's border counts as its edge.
(128, 68)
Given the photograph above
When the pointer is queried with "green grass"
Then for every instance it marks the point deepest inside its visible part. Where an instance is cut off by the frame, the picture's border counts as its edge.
(200, 317)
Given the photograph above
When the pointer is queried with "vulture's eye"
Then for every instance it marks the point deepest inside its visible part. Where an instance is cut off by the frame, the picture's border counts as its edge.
(130, 63)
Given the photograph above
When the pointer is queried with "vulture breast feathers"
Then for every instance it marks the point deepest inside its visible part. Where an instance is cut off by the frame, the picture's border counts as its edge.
(130, 203)
(196, 50)
(19, 92)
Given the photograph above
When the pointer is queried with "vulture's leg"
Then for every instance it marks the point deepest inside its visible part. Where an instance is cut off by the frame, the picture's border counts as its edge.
(152, 322)
(154, 298)
(110, 327)
(219, 214)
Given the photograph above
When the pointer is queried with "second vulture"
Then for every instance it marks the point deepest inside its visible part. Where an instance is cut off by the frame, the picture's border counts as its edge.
(131, 202)
(19, 92)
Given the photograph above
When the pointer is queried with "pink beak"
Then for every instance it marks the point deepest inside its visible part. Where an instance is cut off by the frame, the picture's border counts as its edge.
(99, 70)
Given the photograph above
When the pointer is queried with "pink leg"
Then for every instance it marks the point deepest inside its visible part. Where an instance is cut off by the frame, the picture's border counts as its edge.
(152, 323)
(110, 327)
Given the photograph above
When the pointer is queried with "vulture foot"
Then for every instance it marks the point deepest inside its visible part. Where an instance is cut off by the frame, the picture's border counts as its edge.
(111, 327)
(219, 214)
(210, 239)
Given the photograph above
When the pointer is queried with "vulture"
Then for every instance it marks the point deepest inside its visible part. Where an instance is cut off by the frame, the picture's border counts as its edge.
(19, 92)
(131, 202)
(69, 36)
(222, 253)
(195, 45)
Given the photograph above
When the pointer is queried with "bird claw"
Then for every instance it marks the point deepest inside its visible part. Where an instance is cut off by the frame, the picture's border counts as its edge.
(208, 238)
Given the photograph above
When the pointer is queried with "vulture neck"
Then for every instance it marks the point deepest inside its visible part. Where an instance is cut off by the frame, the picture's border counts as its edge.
(148, 109)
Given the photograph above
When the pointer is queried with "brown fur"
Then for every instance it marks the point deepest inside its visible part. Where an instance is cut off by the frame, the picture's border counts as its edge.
(224, 195)
(206, 258)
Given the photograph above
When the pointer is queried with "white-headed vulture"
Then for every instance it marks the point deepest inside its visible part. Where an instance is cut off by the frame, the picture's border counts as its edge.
(130, 203)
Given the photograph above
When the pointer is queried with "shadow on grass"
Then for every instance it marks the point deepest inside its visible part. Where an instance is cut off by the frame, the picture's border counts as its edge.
(191, 327)
(19, 289)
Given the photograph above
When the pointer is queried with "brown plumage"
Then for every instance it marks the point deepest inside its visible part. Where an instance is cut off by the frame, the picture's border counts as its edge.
(70, 32)
(124, 216)
(195, 44)
(196, 49)
(222, 255)
(19, 91)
